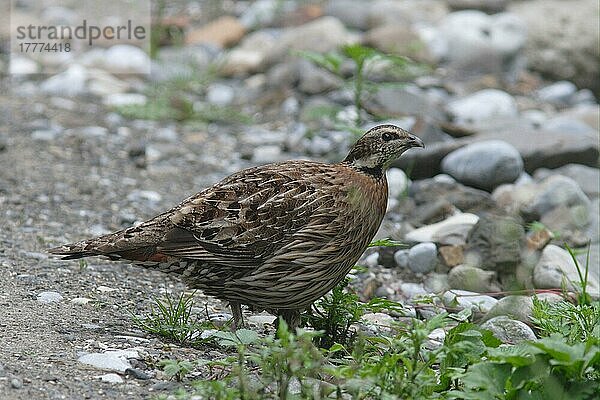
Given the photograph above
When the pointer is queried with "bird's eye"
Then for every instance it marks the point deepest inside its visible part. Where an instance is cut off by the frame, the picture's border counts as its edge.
(387, 136)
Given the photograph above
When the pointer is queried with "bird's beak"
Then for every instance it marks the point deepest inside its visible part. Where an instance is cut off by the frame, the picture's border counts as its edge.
(416, 142)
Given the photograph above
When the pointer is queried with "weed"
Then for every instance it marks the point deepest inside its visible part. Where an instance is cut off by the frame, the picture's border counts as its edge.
(172, 318)
(177, 369)
(576, 323)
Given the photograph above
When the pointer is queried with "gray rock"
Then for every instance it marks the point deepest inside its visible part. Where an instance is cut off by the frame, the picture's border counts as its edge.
(556, 268)
(472, 41)
(353, 13)
(487, 6)
(219, 94)
(481, 106)
(567, 124)
(266, 154)
(508, 330)
(261, 320)
(315, 80)
(71, 82)
(485, 164)
(124, 99)
(310, 37)
(401, 258)
(422, 258)
(115, 360)
(23, 66)
(250, 56)
(436, 283)
(494, 243)
(401, 101)
(144, 196)
(515, 307)
(472, 279)
(16, 383)
(552, 192)
(372, 260)
(260, 13)
(462, 299)
(411, 290)
(126, 59)
(563, 44)
(559, 93)
(587, 178)
(111, 378)
(49, 297)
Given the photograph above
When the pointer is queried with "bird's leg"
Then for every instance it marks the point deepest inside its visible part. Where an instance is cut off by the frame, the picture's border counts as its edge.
(291, 318)
(238, 317)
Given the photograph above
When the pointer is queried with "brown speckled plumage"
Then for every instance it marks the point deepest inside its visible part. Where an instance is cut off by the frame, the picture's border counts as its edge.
(275, 237)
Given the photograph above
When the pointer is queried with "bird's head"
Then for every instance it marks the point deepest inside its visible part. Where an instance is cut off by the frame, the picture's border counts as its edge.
(379, 146)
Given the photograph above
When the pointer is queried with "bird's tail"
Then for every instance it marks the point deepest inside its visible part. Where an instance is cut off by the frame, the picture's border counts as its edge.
(81, 249)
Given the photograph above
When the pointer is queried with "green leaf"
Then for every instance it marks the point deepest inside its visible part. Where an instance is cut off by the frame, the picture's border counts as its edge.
(386, 242)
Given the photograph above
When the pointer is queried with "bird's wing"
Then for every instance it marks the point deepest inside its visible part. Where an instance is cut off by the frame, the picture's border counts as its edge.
(242, 220)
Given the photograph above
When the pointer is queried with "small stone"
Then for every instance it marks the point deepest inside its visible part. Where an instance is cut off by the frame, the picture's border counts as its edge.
(508, 330)
(261, 320)
(124, 99)
(412, 290)
(16, 383)
(452, 255)
(401, 258)
(552, 192)
(111, 378)
(49, 297)
(559, 93)
(266, 154)
(539, 238)
(372, 260)
(137, 374)
(44, 135)
(436, 283)
(68, 83)
(481, 106)
(220, 95)
(80, 300)
(110, 360)
(148, 196)
(225, 31)
(23, 66)
(472, 279)
(379, 319)
(422, 258)
(126, 59)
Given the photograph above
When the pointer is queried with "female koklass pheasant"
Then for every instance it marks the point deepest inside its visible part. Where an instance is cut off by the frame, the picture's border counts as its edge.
(274, 237)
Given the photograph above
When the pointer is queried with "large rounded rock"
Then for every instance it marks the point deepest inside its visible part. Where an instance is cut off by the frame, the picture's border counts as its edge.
(484, 165)
(516, 307)
(556, 268)
(553, 192)
(508, 330)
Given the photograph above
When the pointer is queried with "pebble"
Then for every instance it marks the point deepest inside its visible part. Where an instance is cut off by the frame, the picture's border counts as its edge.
(110, 360)
(111, 378)
(16, 383)
(266, 154)
(261, 320)
(124, 99)
(422, 258)
(220, 95)
(148, 196)
(80, 300)
(559, 93)
(372, 260)
(397, 183)
(482, 106)
(220, 319)
(23, 66)
(508, 330)
(137, 374)
(126, 59)
(401, 258)
(412, 290)
(484, 165)
(68, 83)
(49, 297)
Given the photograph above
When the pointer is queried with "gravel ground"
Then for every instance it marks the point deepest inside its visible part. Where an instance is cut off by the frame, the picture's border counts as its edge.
(63, 190)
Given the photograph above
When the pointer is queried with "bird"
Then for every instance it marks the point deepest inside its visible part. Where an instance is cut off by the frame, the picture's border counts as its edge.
(274, 237)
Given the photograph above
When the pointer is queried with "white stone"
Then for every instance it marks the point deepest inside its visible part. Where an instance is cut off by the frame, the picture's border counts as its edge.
(558, 93)
(219, 94)
(68, 83)
(397, 182)
(23, 66)
(49, 297)
(126, 59)
(378, 319)
(266, 154)
(456, 225)
(116, 360)
(422, 258)
(372, 260)
(111, 378)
